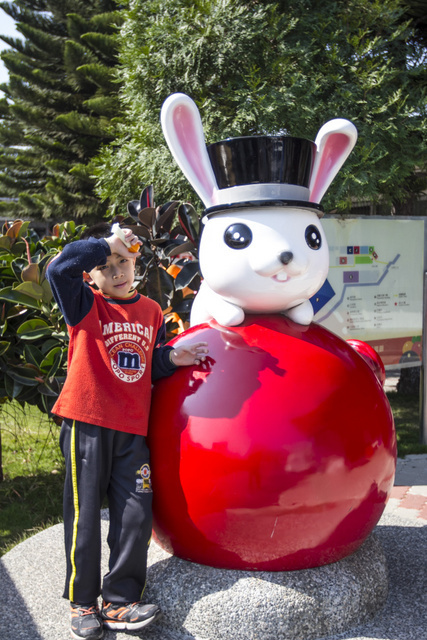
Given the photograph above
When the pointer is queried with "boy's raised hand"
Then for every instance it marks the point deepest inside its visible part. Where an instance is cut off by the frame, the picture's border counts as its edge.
(124, 242)
(188, 354)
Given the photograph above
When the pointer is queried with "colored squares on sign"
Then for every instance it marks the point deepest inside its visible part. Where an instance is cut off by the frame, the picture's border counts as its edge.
(359, 250)
(362, 254)
(350, 277)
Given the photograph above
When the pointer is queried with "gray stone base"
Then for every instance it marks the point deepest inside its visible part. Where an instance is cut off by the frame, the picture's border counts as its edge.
(217, 604)
(201, 603)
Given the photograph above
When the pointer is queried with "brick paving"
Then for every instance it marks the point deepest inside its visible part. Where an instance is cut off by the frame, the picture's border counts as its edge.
(409, 502)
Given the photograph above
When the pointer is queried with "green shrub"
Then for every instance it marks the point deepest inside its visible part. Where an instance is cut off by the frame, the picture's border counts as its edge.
(33, 340)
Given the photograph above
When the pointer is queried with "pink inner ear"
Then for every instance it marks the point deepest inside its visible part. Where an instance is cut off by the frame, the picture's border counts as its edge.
(335, 148)
(193, 146)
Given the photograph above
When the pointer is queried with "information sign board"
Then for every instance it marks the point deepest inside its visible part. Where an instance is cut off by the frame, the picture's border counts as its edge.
(374, 290)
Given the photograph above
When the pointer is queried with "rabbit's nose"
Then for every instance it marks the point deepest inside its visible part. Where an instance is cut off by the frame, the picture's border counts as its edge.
(286, 257)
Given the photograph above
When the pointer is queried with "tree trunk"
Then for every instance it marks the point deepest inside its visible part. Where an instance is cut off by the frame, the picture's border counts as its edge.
(1, 461)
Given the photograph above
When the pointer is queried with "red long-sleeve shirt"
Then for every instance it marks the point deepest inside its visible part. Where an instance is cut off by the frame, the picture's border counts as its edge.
(115, 345)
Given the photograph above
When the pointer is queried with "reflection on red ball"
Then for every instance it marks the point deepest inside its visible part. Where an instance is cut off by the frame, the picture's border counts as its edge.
(372, 358)
(276, 454)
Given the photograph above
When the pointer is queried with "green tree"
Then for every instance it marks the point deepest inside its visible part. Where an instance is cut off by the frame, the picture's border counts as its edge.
(59, 106)
(264, 67)
(416, 11)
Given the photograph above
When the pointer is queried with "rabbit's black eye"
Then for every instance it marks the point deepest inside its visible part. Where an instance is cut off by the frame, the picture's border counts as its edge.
(238, 236)
(313, 237)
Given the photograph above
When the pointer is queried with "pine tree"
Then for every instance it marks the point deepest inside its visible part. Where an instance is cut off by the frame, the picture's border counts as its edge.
(266, 67)
(416, 11)
(60, 101)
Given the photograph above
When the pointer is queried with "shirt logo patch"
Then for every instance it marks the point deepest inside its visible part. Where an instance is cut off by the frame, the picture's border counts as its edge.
(128, 361)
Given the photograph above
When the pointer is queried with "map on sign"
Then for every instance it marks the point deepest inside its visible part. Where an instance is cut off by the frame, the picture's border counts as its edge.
(374, 290)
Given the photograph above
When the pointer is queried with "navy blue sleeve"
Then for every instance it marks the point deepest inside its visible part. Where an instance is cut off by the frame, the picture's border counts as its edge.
(161, 366)
(65, 276)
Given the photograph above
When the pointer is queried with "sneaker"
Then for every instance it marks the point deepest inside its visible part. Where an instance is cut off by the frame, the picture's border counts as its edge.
(86, 622)
(131, 616)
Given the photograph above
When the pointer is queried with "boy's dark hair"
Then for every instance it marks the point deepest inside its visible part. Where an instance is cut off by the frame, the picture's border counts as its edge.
(100, 230)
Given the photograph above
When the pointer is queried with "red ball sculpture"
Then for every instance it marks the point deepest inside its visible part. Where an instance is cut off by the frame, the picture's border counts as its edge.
(276, 454)
(371, 356)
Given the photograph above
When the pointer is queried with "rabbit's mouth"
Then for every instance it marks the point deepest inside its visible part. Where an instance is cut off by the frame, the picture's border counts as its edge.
(282, 276)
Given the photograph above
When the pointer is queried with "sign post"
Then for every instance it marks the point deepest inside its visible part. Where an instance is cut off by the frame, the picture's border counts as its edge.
(423, 377)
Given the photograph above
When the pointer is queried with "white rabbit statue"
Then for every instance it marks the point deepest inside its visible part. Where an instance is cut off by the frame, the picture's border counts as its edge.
(263, 249)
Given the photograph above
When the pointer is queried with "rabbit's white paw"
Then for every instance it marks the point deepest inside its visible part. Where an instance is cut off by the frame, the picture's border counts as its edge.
(229, 315)
(302, 313)
(209, 305)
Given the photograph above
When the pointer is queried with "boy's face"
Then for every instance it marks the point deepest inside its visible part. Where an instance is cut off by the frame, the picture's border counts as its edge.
(116, 277)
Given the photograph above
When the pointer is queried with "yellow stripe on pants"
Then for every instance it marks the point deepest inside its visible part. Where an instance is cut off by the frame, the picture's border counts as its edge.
(76, 509)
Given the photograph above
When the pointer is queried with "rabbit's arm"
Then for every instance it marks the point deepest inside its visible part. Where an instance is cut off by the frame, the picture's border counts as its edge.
(208, 305)
(302, 313)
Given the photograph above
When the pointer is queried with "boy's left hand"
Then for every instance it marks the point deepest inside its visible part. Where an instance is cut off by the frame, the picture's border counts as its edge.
(188, 354)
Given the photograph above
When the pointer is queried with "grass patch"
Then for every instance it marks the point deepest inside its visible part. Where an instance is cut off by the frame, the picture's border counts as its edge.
(31, 492)
(406, 413)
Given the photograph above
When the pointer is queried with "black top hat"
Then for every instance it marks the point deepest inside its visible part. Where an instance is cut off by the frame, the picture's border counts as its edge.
(281, 165)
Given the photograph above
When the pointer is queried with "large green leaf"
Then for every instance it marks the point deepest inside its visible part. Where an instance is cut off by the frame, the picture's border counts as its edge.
(17, 265)
(4, 346)
(48, 345)
(31, 289)
(24, 375)
(13, 388)
(18, 247)
(50, 387)
(5, 243)
(29, 395)
(160, 286)
(47, 292)
(33, 354)
(23, 229)
(190, 221)
(50, 364)
(70, 227)
(31, 325)
(18, 297)
(33, 329)
(18, 311)
(6, 274)
(189, 272)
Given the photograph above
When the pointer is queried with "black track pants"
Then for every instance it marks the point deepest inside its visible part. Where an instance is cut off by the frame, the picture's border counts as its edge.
(102, 462)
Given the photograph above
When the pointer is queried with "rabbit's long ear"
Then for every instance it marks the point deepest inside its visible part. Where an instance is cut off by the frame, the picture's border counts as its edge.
(334, 142)
(183, 131)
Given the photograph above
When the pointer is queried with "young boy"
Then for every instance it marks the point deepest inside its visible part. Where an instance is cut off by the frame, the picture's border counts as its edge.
(115, 351)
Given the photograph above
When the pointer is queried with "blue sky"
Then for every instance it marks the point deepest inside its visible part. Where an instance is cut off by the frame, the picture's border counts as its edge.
(7, 28)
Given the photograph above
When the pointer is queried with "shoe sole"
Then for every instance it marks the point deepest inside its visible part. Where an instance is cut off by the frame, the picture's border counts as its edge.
(74, 635)
(130, 626)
